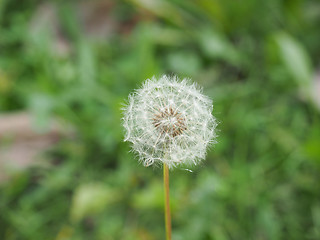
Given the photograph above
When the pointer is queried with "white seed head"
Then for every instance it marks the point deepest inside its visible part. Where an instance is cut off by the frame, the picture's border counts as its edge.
(169, 121)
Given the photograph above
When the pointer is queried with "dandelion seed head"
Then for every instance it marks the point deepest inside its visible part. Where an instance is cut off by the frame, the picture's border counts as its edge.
(169, 121)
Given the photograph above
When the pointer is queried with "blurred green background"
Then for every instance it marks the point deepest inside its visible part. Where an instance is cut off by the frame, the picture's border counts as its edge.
(77, 61)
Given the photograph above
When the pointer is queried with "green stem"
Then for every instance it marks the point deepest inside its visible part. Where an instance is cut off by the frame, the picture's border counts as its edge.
(167, 214)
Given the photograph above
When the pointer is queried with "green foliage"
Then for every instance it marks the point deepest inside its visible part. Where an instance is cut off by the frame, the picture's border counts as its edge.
(254, 58)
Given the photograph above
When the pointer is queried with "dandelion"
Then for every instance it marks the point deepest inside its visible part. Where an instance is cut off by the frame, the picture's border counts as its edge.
(169, 121)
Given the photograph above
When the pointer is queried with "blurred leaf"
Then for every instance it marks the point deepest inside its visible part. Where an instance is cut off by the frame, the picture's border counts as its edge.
(316, 220)
(164, 9)
(86, 65)
(18, 182)
(150, 197)
(295, 59)
(214, 45)
(269, 225)
(41, 107)
(5, 83)
(185, 63)
(168, 36)
(91, 199)
(144, 60)
(65, 233)
(214, 10)
(312, 143)
(2, 7)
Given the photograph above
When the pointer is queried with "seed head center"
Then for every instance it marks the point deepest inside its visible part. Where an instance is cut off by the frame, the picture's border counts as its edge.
(169, 121)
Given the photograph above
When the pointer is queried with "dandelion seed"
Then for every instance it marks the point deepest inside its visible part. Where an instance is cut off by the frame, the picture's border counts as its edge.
(169, 121)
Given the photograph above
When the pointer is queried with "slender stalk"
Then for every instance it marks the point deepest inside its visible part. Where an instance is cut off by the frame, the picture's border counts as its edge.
(167, 214)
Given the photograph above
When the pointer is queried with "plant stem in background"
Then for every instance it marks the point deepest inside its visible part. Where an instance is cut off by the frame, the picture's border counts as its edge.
(167, 214)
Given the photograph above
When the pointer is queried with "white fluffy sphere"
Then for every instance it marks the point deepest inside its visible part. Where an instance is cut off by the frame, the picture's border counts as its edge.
(169, 121)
